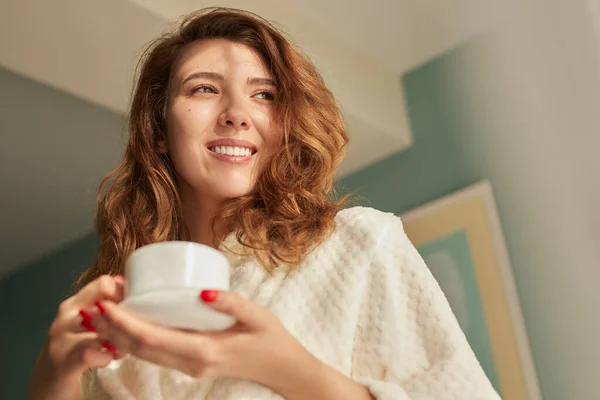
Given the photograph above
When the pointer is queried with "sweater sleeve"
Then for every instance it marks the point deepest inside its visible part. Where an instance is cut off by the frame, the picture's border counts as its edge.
(85, 381)
(90, 390)
(409, 345)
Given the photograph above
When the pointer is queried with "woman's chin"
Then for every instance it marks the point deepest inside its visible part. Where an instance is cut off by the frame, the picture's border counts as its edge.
(228, 193)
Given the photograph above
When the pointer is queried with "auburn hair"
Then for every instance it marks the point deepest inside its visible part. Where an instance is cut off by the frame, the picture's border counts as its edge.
(293, 205)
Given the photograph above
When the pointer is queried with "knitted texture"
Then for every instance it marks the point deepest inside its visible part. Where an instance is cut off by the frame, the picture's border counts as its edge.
(363, 302)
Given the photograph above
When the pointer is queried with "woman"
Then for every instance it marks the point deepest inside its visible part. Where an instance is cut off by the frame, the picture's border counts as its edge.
(234, 141)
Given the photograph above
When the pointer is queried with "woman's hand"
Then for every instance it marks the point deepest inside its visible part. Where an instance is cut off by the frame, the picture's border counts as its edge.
(257, 348)
(73, 345)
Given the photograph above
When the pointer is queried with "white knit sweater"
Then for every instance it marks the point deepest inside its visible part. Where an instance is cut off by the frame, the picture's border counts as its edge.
(363, 302)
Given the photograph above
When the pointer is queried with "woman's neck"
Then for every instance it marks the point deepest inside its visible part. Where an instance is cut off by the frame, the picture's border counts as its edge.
(198, 212)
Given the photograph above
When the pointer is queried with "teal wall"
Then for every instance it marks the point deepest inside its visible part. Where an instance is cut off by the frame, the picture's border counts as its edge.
(29, 299)
(434, 165)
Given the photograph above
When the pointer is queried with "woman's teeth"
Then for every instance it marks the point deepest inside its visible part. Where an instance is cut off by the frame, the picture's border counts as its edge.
(233, 151)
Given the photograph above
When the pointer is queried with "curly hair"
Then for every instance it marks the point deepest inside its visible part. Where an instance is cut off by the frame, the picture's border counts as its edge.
(293, 205)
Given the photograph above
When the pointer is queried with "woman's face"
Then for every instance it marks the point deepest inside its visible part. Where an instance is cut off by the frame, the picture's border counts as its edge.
(221, 122)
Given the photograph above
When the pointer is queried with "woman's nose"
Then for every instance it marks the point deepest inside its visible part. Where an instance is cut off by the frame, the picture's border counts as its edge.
(234, 117)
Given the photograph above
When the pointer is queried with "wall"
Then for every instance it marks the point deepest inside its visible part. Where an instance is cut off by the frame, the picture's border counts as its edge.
(50, 138)
(518, 106)
(29, 299)
(55, 150)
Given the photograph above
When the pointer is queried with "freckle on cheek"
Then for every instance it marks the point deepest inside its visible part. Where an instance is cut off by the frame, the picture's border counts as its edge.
(190, 109)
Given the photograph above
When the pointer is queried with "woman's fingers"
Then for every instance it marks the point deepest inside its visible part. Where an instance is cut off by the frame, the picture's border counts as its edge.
(73, 344)
(66, 351)
(188, 352)
(105, 287)
(95, 358)
(150, 345)
(82, 321)
(76, 313)
(243, 310)
(89, 353)
(73, 338)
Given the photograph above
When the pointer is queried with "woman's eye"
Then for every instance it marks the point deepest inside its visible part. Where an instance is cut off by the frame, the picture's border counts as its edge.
(204, 89)
(264, 96)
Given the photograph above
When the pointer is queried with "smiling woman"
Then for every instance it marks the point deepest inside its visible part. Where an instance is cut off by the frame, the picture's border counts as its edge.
(234, 142)
(224, 76)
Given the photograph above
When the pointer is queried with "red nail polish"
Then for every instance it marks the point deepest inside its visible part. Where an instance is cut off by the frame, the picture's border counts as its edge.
(209, 296)
(87, 324)
(109, 347)
(101, 307)
(85, 315)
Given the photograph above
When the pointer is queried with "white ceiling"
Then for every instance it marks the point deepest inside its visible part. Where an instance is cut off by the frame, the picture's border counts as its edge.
(402, 34)
(89, 49)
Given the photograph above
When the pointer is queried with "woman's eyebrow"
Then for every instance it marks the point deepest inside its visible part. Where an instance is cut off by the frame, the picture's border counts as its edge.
(254, 81)
(261, 81)
(206, 75)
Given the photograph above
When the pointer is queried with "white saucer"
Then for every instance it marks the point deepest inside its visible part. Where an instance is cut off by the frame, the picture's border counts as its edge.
(179, 308)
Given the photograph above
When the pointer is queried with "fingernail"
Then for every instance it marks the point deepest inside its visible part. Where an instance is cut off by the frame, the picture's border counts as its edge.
(101, 307)
(209, 296)
(109, 347)
(86, 321)
(88, 325)
(85, 315)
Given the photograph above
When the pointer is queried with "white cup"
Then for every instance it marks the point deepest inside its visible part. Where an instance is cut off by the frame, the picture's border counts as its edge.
(176, 265)
(165, 279)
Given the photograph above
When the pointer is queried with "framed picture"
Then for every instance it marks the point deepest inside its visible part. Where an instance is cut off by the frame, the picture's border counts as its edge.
(460, 238)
